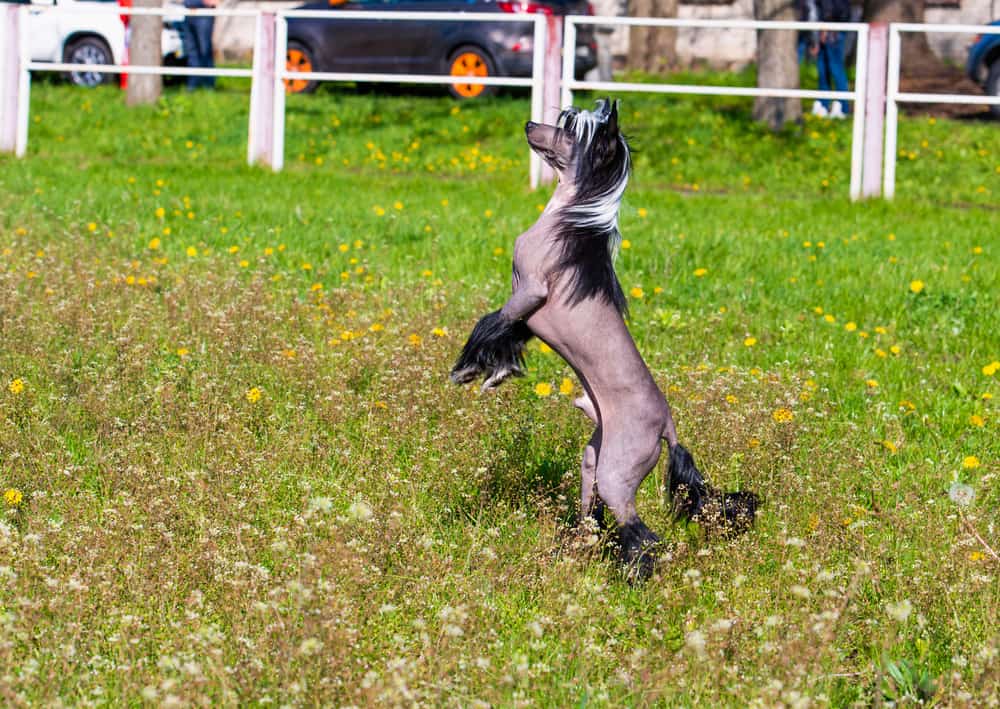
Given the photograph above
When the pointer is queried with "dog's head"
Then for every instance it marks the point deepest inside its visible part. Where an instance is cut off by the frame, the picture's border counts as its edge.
(583, 145)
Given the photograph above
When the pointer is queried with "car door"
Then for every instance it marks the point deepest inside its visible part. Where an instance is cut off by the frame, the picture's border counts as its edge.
(380, 46)
(44, 35)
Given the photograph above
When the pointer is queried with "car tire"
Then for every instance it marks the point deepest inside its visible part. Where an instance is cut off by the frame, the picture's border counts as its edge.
(470, 60)
(88, 50)
(299, 57)
(993, 86)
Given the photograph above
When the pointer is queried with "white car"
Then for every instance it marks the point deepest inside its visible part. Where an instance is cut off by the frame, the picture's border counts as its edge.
(72, 35)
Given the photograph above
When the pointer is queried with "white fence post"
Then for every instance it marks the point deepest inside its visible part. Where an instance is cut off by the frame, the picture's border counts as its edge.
(14, 81)
(537, 89)
(878, 41)
(260, 132)
(891, 115)
(860, 110)
(551, 87)
(278, 94)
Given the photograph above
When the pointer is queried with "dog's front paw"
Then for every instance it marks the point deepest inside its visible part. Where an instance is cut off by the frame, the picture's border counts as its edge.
(465, 375)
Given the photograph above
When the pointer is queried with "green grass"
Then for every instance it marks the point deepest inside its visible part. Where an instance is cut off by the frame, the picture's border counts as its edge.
(364, 532)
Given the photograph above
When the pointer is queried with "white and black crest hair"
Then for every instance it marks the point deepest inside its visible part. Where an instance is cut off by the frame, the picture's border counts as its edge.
(588, 226)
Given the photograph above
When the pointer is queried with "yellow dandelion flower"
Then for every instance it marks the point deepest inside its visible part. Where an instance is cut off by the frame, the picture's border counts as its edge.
(753, 443)
(16, 386)
(379, 211)
(288, 354)
(976, 556)
(316, 286)
(543, 348)
(253, 395)
(566, 386)
(851, 326)
(154, 244)
(977, 420)
(91, 226)
(439, 332)
(990, 369)
(782, 415)
(642, 211)
(233, 249)
(626, 244)
(397, 205)
(244, 263)
(699, 272)
(636, 292)
(986, 396)
(730, 399)
(376, 327)
(830, 318)
(970, 462)
(750, 342)
(871, 383)
(427, 273)
(182, 351)
(192, 251)
(889, 446)
(916, 286)
(12, 496)
(415, 339)
(543, 389)
(818, 310)
(895, 349)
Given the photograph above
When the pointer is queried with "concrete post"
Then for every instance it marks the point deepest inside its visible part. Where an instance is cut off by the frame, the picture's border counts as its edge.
(878, 52)
(552, 81)
(260, 141)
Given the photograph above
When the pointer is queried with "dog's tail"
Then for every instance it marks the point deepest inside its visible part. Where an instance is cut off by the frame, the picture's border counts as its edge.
(495, 349)
(694, 499)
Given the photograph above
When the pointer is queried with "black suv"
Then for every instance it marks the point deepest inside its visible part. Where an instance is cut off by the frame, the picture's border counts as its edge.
(427, 47)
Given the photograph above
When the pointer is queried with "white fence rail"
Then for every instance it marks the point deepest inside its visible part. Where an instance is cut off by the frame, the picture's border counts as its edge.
(858, 95)
(876, 83)
(894, 96)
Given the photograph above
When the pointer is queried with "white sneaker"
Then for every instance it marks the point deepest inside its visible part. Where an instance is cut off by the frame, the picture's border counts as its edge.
(837, 110)
(819, 110)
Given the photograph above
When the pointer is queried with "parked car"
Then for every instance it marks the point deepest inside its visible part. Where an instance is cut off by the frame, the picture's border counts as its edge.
(427, 47)
(983, 66)
(74, 36)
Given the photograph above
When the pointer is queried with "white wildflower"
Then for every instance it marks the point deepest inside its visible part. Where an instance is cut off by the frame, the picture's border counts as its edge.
(899, 611)
(961, 494)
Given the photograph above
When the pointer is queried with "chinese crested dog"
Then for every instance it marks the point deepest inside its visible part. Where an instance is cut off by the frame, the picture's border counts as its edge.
(566, 293)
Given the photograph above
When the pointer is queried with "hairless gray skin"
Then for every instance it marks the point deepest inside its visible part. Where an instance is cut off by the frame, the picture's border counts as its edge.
(629, 411)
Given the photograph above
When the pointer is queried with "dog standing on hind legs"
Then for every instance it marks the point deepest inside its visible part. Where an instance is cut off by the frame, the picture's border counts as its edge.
(565, 292)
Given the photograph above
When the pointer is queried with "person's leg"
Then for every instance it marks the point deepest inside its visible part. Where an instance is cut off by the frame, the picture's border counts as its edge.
(190, 42)
(823, 67)
(838, 72)
(203, 27)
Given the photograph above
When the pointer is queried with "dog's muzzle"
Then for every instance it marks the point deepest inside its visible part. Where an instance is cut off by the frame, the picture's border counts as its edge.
(529, 126)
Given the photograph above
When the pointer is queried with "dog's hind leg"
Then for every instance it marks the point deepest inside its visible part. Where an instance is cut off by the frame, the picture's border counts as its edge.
(591, 505)
(624, 463)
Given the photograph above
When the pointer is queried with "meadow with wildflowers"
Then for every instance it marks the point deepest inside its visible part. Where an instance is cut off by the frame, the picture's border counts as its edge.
(233, 470)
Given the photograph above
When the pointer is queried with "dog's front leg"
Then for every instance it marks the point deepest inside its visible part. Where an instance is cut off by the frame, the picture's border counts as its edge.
(496, 346)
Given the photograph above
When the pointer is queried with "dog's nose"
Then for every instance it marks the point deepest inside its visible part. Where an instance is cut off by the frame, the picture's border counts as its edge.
(529, 126)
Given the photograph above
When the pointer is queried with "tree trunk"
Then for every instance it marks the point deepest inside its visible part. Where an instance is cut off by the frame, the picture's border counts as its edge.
(144, 50)
(652, 49)
(777, 64)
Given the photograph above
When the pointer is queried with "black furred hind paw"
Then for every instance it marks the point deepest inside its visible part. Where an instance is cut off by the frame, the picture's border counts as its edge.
(639, 544)
(688, 491)
(693, 499)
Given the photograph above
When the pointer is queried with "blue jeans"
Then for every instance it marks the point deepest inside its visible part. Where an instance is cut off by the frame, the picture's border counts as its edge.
(830, 64)
(196, 33)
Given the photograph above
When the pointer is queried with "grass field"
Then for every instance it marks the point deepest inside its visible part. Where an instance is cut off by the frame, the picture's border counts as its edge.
(234, 471)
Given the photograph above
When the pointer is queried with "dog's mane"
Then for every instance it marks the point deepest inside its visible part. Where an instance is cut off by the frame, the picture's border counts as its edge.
(587, 228)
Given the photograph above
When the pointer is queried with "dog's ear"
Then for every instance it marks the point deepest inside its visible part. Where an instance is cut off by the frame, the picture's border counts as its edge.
(613, 118)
